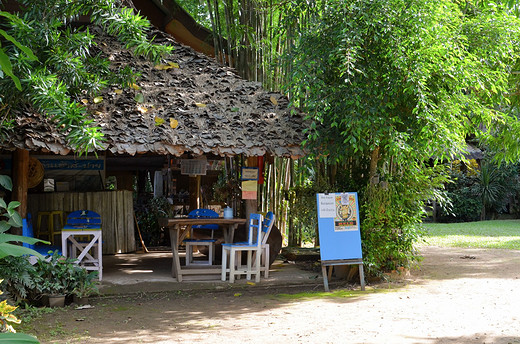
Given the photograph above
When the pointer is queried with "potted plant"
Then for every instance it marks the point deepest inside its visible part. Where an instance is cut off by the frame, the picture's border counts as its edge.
(56, 278)
(85, 286)
(54, 292)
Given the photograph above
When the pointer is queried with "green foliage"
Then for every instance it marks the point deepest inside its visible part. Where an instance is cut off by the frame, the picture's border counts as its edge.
(68, 66)
(226, 188)
(9, 217)
(57, 275)
(304, 212)
(478, 192)
(391, 84)
(411, 77)
(17, 338)
(53, 275)
(18, 275)
(85, 283)
(464, 195)
(147, 217)
(392, 212)
(5, 62)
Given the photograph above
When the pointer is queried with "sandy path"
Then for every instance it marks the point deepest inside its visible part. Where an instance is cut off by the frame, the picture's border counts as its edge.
(458, 296)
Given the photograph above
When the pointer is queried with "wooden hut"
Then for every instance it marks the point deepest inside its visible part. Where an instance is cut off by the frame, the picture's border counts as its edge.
(188, 106)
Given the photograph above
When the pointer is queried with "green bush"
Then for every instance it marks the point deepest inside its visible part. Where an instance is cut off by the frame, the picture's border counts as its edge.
(465, 198)
(54, 275)
(478, 193)
(147, 216)
(18, 278)
(391, 216)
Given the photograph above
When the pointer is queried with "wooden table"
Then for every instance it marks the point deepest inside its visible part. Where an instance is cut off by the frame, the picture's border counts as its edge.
(180, 227)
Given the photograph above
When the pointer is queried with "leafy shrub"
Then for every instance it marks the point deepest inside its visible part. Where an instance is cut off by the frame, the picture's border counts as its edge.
(480, 192)
(148, 214)
(392, 212)
(55, 275)
(18, 275)
(465, 198)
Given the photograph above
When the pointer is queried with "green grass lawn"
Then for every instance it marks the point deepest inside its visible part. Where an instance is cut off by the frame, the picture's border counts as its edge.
(483, 234)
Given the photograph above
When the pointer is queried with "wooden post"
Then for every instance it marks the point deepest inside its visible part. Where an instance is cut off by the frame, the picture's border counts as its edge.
(194, 188)
(20, 175)
(251, 204)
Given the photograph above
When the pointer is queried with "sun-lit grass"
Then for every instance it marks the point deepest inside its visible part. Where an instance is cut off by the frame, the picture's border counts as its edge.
(503, 234)
(328, 295)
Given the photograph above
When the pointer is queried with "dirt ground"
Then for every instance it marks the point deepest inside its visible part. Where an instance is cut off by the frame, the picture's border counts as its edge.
(457, 296)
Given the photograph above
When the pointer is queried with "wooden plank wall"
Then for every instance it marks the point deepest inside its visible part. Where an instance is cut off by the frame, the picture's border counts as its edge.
(115, 207)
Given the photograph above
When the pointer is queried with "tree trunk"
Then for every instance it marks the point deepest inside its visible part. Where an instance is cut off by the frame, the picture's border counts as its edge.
(374, 159)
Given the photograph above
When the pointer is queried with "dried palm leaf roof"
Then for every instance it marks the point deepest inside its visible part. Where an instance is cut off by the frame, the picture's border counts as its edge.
(187, 104)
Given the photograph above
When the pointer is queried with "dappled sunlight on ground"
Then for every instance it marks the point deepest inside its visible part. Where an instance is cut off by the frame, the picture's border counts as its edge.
(457, 296)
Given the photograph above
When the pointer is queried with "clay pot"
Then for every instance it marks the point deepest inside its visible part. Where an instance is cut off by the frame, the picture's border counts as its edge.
(56, 300)
(80, 301)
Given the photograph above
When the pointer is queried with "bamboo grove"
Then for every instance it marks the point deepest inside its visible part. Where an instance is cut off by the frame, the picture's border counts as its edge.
(393, 90)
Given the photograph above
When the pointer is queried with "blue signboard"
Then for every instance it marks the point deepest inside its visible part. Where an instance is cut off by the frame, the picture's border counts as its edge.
(65, 164)
(338, 225)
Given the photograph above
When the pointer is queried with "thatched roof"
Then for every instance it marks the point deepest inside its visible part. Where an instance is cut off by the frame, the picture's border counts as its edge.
(199, 107)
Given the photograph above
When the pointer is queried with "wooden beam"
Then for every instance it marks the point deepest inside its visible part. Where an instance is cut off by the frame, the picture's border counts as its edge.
(20, 175)
(194, 189)
(251, 204)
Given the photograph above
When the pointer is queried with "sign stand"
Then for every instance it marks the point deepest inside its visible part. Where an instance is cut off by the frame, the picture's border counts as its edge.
(332, 263)
(339, 232)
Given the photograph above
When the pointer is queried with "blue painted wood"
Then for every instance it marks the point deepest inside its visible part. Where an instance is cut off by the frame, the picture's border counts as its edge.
(336, 244)
(268, 220)
(203, 213)
(83, 219)
(27, 231)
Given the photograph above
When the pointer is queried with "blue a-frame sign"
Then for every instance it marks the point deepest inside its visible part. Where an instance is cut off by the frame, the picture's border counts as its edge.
(339, 232)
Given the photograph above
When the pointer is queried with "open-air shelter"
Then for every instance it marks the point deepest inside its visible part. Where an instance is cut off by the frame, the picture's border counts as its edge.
(187, 107)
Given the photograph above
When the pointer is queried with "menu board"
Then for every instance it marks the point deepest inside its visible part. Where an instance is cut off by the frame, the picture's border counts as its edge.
(338, 225)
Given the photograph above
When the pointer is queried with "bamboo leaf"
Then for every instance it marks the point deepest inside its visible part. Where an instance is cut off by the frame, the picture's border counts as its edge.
(7, 68)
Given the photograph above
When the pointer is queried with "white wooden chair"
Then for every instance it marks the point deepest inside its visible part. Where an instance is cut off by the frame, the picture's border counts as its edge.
(253, 247)
(267, 224)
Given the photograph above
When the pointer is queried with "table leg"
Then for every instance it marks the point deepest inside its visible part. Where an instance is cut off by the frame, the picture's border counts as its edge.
(229, 233)
(176, 262)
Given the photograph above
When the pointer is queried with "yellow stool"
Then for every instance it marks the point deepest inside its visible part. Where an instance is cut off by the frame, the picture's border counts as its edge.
(50, 223)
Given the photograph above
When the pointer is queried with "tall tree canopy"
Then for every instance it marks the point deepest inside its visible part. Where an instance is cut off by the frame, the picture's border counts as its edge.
(401, 83)
(53, 64)
(408, 80)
